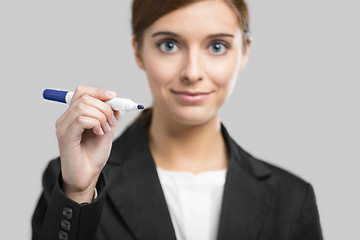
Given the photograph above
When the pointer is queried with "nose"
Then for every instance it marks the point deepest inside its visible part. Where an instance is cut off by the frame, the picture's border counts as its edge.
(192, 70)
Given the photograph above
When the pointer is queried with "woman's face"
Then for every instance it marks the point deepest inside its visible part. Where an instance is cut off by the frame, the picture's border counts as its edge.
(192, 57)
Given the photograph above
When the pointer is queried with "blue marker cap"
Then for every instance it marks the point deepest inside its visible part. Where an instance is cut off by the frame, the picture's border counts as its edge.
(55, 95)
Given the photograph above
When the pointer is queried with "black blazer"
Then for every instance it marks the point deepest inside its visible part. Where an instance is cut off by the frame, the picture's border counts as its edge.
(260, 201)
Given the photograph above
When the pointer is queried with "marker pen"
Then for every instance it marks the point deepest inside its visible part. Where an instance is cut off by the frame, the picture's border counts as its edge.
(117, 104)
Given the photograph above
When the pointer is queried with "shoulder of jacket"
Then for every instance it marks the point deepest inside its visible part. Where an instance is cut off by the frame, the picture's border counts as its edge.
(277, 175)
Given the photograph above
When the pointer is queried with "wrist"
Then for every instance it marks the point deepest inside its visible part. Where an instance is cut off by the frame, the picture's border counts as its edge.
(81, 196)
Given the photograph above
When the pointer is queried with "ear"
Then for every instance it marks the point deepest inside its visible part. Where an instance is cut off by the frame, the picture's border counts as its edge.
(245, 54)
(137, 53)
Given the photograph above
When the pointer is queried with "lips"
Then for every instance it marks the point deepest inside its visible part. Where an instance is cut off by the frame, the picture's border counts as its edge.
(191, 96)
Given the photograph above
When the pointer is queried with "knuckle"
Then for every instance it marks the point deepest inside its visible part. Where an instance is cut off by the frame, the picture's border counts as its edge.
(85, 98)
(81, 107)
(108, 110)
(57, 123)
(80, 120)
(103, 119)
(57, 130)
(79, 88)
(98, 124)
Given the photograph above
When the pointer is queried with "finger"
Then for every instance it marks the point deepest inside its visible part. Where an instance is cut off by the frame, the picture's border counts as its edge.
(82, 123)
(117, 116)
(100, 94)
(98, 104)
(82, 109)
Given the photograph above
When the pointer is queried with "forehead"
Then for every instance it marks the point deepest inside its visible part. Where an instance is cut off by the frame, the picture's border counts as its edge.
(205, 17)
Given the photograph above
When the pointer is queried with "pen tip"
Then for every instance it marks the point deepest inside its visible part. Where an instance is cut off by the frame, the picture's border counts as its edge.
(140, 107)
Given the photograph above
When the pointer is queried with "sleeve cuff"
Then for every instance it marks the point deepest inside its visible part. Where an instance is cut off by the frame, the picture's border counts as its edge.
(67, 218)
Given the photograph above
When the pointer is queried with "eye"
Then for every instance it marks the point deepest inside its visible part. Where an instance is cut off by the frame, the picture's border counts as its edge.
(218, 48)
(168, 46)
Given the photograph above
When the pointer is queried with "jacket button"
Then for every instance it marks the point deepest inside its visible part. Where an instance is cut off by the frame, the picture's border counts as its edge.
(63, 235)
(65, 224)
(67, 213)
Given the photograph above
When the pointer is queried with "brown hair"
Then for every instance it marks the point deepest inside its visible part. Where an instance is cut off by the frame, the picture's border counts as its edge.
(146, 12)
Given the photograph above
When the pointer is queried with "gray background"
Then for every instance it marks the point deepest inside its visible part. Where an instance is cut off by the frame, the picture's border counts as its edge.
(295, 105)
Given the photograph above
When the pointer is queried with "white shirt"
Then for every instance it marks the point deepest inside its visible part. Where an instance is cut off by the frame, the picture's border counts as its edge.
(194, 202)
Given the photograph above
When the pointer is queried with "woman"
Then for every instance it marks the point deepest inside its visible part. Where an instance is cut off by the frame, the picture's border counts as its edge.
(175, 173)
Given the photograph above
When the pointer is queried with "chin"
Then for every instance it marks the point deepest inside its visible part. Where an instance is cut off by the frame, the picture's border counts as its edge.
(193, 116)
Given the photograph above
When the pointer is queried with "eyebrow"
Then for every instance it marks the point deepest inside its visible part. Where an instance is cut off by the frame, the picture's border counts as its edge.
(172, 34)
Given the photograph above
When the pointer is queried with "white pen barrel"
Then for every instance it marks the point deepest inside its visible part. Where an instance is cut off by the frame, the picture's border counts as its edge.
(122, 104)
(68, 97)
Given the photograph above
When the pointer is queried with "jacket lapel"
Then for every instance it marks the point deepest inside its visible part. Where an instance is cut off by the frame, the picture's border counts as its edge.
(246, 198)
(135, 189)
(134, 186)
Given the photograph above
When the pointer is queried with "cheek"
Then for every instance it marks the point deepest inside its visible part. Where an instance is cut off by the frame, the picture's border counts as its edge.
(160, 71)
(224, 72)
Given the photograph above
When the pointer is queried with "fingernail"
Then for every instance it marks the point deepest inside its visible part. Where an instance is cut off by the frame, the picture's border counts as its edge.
(110, 94)
(101, 132)
(108, 128)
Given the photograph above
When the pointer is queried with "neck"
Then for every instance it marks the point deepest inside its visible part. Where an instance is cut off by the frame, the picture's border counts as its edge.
(181, 147)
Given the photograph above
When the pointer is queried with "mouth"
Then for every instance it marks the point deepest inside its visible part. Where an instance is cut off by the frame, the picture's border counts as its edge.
(191, 97)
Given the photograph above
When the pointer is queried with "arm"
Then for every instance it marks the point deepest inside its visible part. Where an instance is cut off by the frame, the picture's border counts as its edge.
(57, 215)
(85, 132)
(307, 226)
